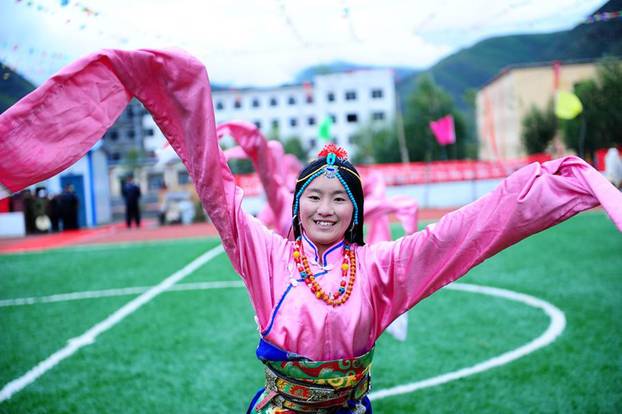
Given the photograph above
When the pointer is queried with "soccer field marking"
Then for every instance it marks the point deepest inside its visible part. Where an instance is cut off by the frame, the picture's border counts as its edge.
(107, 293)
(107, 246)
(90, 335)
(555, 328)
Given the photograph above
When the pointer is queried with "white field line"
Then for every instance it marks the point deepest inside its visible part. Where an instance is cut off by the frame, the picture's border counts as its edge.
(555, 328)
(109, 246)
(95, 294)
(89, 336)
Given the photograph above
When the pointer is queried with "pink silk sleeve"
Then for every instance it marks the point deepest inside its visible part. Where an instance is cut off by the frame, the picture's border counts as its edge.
(57, 124)
(378, 207)
(532, 199)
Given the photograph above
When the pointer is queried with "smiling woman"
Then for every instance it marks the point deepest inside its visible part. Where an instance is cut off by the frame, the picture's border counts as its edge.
(330, 195)
(323, 299)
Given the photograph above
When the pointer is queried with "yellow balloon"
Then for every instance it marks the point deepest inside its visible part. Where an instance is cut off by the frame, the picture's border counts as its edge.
(567, 105)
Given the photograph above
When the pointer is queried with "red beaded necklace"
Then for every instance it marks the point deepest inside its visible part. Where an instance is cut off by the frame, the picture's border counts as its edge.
(345, 286)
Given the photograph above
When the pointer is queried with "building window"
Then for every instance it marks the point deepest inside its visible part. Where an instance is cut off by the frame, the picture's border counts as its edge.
(275, 123)
(257, 124)
(293, 122)
(237, 104)
(255, 103)
(309, 99)
(350, 95)
(311, 121)
(291, 100)
(352, 139)
(377, 94)
(377, 116)
(183, 177)
(155, 181)
(114, 135)
(148, 132)
(131, 134)
(129, 112)
(312, 142)
(330, 97)
(352, 118)
(115, 156)
(273, 102)
(220, 106)
(333, 118)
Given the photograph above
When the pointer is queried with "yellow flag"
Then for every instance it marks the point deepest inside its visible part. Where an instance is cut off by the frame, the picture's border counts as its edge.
(567, 105)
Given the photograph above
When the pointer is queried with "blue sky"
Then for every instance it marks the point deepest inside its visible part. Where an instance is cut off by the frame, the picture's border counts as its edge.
(267, 42)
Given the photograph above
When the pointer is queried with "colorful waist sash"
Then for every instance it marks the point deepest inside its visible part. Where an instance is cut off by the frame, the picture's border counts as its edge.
(298, 385)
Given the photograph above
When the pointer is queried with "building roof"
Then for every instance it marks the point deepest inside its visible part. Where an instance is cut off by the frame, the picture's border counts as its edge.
(509, 68)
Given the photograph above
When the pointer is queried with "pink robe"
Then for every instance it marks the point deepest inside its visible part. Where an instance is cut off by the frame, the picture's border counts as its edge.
(59, 122)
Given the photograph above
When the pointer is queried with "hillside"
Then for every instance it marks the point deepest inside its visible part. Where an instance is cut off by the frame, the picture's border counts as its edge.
(474, 66)
(12, 87)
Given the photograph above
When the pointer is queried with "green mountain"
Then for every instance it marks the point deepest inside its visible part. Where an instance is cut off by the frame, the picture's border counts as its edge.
(12, 87)
(475, 66)
(307, 74)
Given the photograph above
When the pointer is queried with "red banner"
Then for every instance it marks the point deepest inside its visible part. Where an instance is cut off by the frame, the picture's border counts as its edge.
(422, 173)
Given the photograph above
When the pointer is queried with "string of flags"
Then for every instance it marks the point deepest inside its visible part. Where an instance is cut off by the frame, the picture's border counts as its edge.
(44, 8)
(603, 17)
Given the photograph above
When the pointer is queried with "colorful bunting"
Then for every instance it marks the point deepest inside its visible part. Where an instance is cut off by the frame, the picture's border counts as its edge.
(603, 17)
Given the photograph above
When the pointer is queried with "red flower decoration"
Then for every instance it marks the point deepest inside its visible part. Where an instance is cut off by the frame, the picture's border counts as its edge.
(335, 149)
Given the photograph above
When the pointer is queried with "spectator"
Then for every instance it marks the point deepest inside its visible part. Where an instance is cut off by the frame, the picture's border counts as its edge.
(131, 195)
(68, 205)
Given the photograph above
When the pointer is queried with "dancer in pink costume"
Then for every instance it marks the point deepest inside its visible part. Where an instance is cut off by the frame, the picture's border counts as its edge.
(54, 126)
(277, 172)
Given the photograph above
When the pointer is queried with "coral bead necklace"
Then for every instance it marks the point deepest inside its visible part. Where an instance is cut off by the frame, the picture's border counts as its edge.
(348, 267)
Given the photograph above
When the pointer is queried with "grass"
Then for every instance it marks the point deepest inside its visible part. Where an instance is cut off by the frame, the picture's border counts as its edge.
(193, 351)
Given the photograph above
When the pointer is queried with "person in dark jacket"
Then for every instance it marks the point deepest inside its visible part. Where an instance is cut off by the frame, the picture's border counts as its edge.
(68, 206)
(131, 195)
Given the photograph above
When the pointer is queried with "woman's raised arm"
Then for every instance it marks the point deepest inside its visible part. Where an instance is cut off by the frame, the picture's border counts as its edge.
(58, 123)
(532, 199)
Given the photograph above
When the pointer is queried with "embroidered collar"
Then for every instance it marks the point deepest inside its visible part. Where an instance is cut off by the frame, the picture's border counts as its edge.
(330, 255)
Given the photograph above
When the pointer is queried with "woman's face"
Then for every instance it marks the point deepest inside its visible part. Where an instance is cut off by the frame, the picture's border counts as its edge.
(325, 211)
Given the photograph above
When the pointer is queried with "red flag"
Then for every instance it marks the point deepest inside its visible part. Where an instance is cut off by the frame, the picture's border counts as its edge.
(556, 70)
(443, 130)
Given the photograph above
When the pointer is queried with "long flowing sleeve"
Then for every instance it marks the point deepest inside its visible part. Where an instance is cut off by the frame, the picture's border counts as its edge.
(268, 159)
(378, 207)
(57, 124)
(534, 198)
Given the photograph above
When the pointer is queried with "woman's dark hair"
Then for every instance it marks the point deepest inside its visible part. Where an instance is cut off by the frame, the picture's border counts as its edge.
(354, 234)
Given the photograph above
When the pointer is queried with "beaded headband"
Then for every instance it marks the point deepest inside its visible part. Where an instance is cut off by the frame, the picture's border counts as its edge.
(332, 152)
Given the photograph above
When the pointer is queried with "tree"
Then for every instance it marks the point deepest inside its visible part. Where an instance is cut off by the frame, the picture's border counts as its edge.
(376, 144)
(538, 128)
(132, 161)
(600, 124)
(237, 166)
(293, 145)
(429, 102)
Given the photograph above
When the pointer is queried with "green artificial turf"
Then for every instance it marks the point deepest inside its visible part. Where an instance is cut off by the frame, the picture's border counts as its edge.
(193, 351)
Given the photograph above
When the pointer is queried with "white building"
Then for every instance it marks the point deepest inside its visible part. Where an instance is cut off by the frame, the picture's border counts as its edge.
(351, 99)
